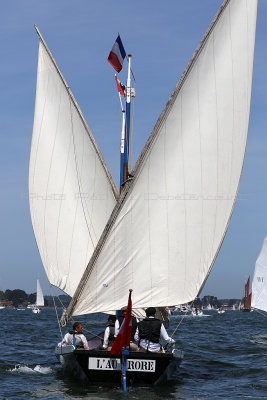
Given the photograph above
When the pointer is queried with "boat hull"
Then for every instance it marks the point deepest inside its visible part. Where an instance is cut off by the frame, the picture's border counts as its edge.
(101, 367)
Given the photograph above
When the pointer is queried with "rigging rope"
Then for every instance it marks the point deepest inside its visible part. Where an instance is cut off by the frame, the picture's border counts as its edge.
(179, 323)
(86, 330)
(56, 311)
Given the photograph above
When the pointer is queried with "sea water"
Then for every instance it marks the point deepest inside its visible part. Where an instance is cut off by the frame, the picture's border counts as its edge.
(225, 357)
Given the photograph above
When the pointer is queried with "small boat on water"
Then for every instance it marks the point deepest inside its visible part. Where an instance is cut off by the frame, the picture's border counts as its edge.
(182, 308)
(39, 299)
(96, 243)
(221, 310)
(196, 312)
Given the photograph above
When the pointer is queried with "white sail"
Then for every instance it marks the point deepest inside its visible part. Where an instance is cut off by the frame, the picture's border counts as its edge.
(171, 224)
(70, 191)
(259, 283)
(39, 295)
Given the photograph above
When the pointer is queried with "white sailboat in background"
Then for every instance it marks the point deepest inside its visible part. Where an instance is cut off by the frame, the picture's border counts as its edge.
(39, 299)
(221, 310)
(196, 312)
(161, 235)
(259, 283)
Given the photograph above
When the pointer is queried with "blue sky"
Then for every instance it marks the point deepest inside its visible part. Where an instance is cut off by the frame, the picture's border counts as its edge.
(162, 36)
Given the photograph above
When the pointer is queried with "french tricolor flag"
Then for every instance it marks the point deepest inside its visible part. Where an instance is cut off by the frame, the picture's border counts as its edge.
(117, 55)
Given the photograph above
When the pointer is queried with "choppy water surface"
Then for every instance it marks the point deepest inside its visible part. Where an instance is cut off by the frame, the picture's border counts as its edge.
(225, 357)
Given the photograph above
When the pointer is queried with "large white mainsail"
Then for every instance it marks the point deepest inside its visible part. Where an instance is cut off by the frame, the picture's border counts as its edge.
(259, 283)
(71, 193)
(163, 237)
(39, 295)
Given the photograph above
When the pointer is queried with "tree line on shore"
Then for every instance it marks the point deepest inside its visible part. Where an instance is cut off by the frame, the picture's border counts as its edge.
(19, 298)
(214, 302)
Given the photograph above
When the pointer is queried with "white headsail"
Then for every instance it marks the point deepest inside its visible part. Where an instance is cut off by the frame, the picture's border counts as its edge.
(70, 190)
(164, 237)
(39, 295)
(259, 283)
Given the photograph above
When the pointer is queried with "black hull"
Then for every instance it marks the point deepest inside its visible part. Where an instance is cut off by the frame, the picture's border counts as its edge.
(162, 361)
(102, 367)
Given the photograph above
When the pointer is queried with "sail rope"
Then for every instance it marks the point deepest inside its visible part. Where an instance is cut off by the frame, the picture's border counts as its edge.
(91, 333)
(55, 307)
(180, 322)
(86, 322)
(71, 320)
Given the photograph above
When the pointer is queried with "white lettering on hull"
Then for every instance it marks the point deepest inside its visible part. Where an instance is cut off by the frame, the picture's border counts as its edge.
(114, 364)
(141, 365)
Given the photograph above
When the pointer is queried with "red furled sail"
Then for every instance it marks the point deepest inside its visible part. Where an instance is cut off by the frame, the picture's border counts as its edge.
(247, 300)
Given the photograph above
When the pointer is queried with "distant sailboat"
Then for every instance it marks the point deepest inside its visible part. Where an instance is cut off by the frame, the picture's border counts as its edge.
(161, 235)
(39, 299)
(247, 298)
(259, 282)
(197, 312)
(221, 310)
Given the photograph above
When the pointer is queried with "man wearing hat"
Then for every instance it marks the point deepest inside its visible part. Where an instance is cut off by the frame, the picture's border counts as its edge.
(150, 331)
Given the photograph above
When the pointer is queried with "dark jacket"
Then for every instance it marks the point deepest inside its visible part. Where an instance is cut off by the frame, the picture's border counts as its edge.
(111, 337)
(149, 329)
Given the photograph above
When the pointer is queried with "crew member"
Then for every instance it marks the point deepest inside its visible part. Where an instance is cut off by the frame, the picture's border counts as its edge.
(76, 337)
(109, 335)
(150, 331)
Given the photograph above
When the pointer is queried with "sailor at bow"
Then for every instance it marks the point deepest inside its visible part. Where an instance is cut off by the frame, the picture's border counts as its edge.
(76, 337)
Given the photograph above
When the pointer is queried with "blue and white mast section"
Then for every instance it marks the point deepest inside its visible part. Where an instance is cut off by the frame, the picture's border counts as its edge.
(116, 58)
(125, 141)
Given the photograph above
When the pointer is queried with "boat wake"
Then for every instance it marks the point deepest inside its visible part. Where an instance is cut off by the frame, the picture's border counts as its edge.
(24, 369)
